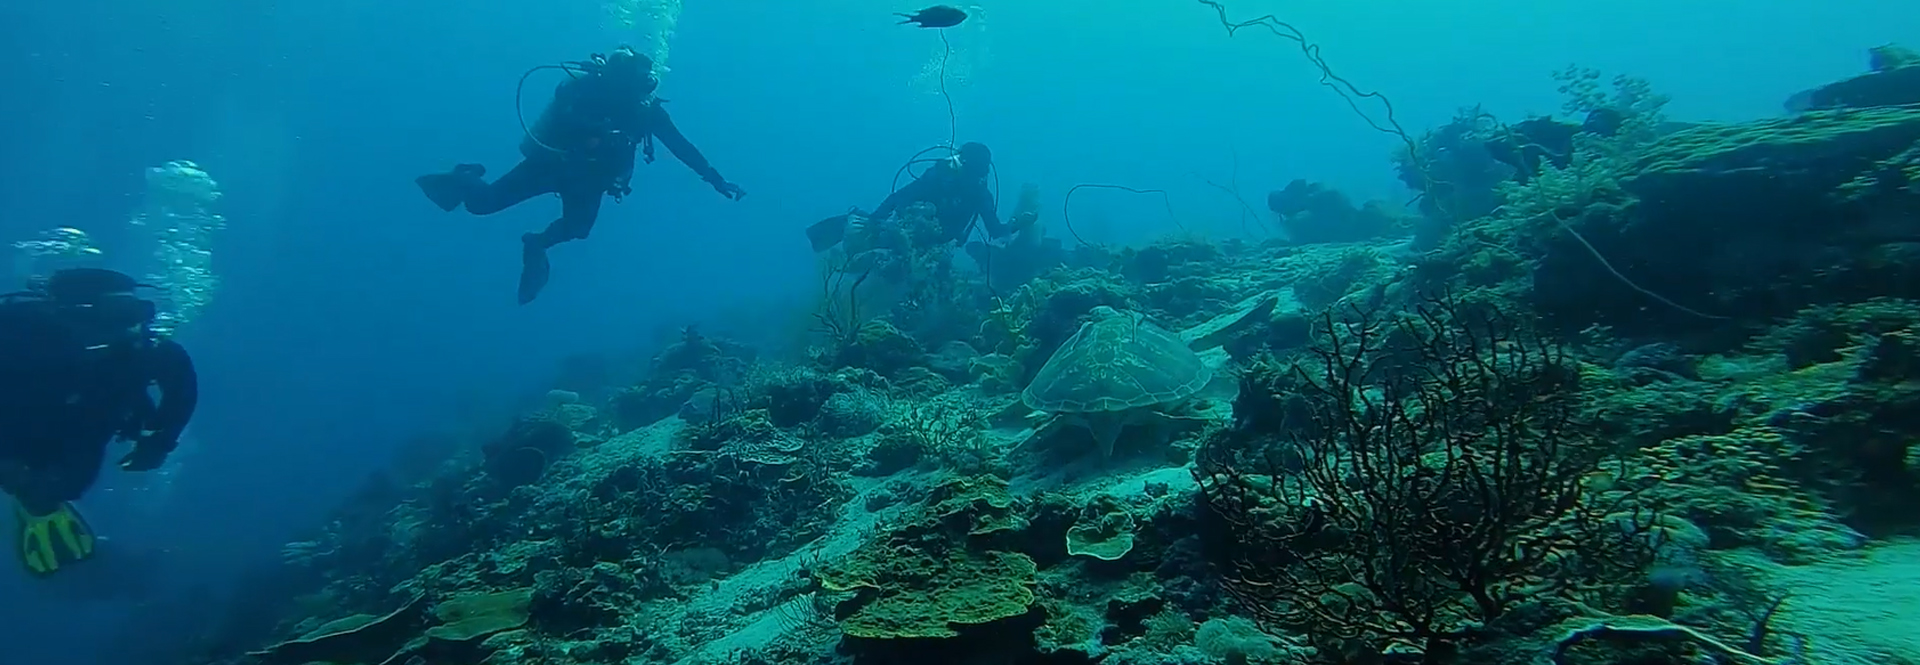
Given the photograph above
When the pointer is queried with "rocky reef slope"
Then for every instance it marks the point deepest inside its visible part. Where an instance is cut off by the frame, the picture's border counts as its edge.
(1649, 396)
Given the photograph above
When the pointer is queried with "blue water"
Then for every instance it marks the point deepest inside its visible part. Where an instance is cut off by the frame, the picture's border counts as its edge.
(353, 314)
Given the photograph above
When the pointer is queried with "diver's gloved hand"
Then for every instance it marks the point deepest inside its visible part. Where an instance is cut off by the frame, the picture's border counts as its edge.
(147, 455)
(620, 190)
(729, 190)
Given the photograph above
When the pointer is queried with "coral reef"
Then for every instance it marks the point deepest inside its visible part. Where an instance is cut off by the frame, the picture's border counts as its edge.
(939, 571)
(1407, 513)
(1635, 393)
(1892, 79)
(687, 375)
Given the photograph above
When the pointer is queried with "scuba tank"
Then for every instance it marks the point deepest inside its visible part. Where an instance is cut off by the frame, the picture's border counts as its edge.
(594, 66)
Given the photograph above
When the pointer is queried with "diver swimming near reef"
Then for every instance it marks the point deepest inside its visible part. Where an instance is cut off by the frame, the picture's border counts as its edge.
(957, 189)
(582, 147)
(78, 357)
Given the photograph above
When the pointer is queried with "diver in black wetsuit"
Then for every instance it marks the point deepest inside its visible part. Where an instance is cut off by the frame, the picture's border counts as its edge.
(581, 148)
(957, 189)
(77, 360)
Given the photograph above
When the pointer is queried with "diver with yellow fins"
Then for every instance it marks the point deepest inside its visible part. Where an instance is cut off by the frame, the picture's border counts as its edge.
(78, 358)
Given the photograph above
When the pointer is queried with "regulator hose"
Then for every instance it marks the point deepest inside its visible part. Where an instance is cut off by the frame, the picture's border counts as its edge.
(573, 69)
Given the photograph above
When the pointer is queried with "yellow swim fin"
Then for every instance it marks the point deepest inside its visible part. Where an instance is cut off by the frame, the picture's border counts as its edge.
(55, 539)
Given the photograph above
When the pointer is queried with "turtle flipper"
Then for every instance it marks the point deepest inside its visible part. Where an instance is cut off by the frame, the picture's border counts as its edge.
(1106, 429)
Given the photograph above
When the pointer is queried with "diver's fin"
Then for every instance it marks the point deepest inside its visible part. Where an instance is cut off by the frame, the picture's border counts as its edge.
(534, 268)
(53, 540)
(905, 18)
(826, 233)
(449, 190)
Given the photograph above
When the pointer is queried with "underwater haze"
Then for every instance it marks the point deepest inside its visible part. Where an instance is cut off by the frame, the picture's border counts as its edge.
(345, 318)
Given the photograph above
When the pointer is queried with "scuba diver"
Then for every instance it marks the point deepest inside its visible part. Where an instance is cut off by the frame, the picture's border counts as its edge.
(582, 148)
(955, 187)
(77, 359)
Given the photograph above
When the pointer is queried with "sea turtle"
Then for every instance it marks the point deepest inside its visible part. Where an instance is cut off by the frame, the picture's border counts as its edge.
(1120, 370)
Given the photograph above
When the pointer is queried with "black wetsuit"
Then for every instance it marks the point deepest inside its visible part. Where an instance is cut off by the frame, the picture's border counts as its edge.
(957, 200)
(62, 401)
(597, 127)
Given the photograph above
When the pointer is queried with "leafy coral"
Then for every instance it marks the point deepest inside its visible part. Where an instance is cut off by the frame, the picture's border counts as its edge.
(939, 571)
(1104, 531)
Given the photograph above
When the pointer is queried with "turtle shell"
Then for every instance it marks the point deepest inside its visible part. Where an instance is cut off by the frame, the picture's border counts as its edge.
(1115, 362)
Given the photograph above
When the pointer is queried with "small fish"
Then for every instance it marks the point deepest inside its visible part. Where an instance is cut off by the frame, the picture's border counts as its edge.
(937, 16)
